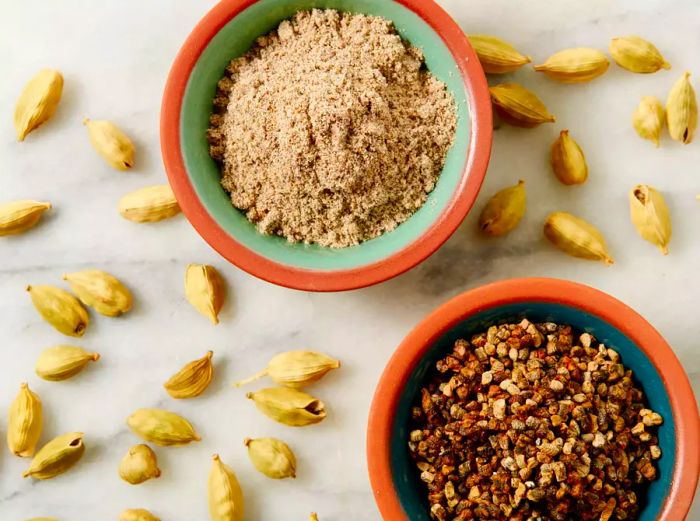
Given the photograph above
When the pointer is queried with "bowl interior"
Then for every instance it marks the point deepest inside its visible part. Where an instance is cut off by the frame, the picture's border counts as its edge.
(233, 40)
(405, 476)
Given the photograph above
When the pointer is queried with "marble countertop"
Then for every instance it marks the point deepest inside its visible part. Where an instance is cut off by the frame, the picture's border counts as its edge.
(115, 57)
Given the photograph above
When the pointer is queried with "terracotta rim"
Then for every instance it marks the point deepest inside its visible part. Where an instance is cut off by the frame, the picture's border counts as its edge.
(317, 280)
(617, 314)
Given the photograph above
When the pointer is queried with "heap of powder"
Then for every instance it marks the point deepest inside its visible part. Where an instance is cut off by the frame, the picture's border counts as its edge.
(330, 130)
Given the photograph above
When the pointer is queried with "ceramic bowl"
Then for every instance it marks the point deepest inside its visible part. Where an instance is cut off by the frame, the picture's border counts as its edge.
(228, 31)
(397, 488)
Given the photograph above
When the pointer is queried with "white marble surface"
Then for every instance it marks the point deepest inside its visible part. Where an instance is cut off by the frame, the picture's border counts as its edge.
(115, 57)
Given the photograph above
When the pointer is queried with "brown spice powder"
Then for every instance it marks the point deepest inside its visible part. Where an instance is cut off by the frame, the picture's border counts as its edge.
(330, 130)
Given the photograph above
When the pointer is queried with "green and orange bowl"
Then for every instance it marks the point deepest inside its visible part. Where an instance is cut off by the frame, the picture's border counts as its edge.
(397, 488)
(228, 31)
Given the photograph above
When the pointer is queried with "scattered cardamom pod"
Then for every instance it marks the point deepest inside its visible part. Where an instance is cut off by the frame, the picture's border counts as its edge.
(650, 216)
(495, 55)
(205, 290)
(191, 380)
(161, 427)
(57, 456)
(140, 464)
(649, 119)
(19, 216)
(637, 55)
(272, 457)
(577, 65)
(24, 424)
(576, 237)
(682, 110)
(62, 362)
(295, 368)
(111, 143)
(37, 102)
(224, 493)
(519, 106)
(289, 406)
(137, 514)
(150, 204)
(101, 291)
(504, 210)
(568, 161)
(313, 516)
(60, 309)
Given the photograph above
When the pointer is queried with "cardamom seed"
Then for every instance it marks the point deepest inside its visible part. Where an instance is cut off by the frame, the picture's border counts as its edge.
(19, 216)
(150, 204)
(60, 309)
(24, 424)
(682, 110)
(495, 55)
(161, 427)
(519, 106)
(289, 406)
(576, 237)
(37, 102)
(111, 143)
(649, 119)
(577, 65)
(140, 464)
(57, 456)
(272, 457)
(191, 380)
(101, 291)
(224, 493)
(637, 55)
(295, 368)
(205, 290)
(568, 161)
(651, 217)
(504, 210)
(62, 362)
(137, 514)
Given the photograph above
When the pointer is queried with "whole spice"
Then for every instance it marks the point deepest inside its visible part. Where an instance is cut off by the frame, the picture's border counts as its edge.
(272, 457)
(649, 119)
(150, 204)
(650, 216)
(101, 291)
(137, 514)
(193, 379)
(504, 210)
(224, 493)
(62, 362)
(161, 427)
(313, 516)
(568, 161)
(576, 237)
(24, 423)
(295, 369)
(289, 406)
(519, 106)
(57, 456)
(37, 102)
(111, 143)
(205, 290)
(682, 110)
(19, 216)
(495, 55)
(577, 65)
(60, 309)
(637, 55)
(140, 464)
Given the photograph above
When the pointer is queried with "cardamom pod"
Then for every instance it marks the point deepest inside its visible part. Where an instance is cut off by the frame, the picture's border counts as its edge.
(205, 290)
(313, 516)
(295, 368)
(191, 380)
(519, 106)
(649, 119)
(60, 309)
(651, 217)
(568, 161)
(682, 110)
(495, 55)
(161, 427)
(575, 65)
(101, 291)
(137, 514)
(150, 204)
(224, 493)
(111, 143)
(37, 102)
(272, 457)
(62, 362)
(637, 55)
(19, 216)
(57, 456)
(504, 210)
(140, 464)
(576, 237)
(24, 424)
(289, 406)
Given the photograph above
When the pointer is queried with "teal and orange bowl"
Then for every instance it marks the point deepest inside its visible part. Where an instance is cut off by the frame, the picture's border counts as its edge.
(228, 31)
(397, 488)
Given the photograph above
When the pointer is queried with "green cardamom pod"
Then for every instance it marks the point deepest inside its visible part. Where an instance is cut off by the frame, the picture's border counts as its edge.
(295, 368)
(101, 291)
(651, 217)
(193, 379)
(519, 106)
(495, 55)
(575, 65)
(60, 309)
(637, 55)
(224, 493)
(272, 457)
(568, 162)
(62, 362)
(649, 119)
(25, 421)
(140, 464)
(682, 110)
(576, 237)
(57, 456)
(289, 406)
(161, 427)
(504, 210)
